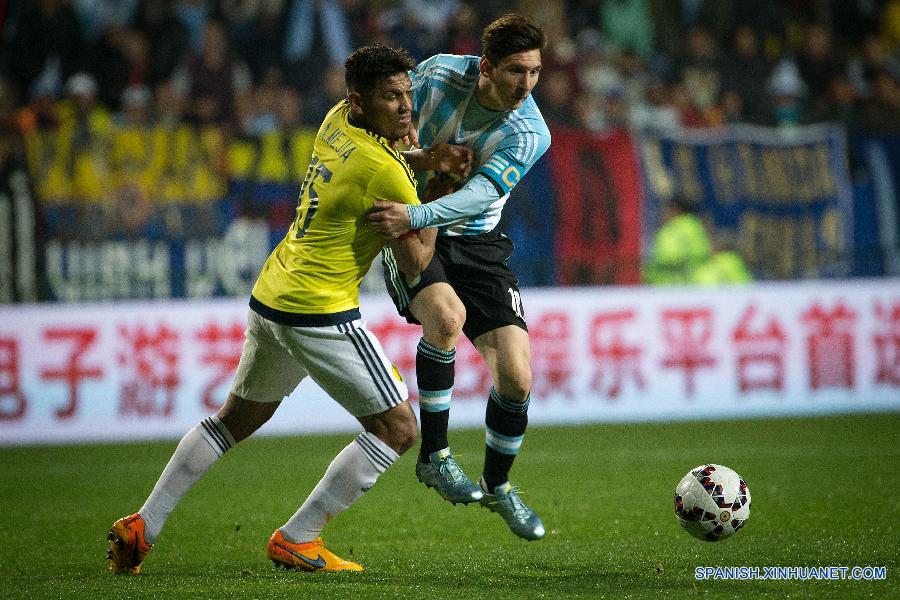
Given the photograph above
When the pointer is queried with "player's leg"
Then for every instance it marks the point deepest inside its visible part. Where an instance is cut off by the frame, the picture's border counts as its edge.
(507, 353)
(433, 303)
(197, 452)
(348, 362)
(442, 315)
(495, 322)
(266, 373)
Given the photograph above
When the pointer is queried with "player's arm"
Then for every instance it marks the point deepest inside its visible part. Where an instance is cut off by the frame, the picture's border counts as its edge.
(393, 219)
(413, 251)
(394, 186)
(494, 178)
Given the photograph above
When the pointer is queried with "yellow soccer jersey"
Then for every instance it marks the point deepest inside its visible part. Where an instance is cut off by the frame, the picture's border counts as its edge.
(318, 266)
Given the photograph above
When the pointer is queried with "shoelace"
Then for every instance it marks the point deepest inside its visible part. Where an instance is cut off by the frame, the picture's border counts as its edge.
(519, 510)
(449, 469)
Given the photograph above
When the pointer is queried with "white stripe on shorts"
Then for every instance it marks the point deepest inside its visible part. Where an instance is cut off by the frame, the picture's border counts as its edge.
(380, 376)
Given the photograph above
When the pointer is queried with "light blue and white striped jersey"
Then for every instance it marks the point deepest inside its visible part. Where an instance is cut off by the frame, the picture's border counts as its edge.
(505, 144)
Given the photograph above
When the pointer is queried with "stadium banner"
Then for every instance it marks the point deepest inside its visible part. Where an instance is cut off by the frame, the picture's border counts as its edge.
(598, 208)
(19, 242)
(878, 230)
(781, 197)
(141, 370)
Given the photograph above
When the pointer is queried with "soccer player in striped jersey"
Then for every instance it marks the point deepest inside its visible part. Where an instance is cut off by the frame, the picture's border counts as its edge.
(304, 320)
(483, 103)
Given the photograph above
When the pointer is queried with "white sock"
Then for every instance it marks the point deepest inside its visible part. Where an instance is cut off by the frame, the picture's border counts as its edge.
(352, 472)
(196, 452)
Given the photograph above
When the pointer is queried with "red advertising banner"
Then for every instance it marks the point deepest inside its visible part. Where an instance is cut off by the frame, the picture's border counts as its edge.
(598, 199)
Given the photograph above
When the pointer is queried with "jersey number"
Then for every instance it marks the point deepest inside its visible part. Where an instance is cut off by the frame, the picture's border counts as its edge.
(515, 301)
(316, 170)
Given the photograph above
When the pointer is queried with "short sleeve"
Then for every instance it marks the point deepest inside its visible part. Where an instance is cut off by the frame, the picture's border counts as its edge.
(393, 182)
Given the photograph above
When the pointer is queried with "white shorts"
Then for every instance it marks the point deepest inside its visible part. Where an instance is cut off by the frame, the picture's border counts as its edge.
(345, 360)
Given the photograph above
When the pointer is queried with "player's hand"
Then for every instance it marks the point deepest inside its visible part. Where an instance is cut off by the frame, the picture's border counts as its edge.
(450, 158)
(409, 141)
(439, 185)
(390, 219)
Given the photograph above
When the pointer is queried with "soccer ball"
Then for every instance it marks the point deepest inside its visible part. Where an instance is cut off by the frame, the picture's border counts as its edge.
(712, 502)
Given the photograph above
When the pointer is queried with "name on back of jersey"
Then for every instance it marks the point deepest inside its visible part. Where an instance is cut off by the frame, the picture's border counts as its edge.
(338, 140)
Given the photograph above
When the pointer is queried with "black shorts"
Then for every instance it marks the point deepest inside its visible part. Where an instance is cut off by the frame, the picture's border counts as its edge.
(475, 266)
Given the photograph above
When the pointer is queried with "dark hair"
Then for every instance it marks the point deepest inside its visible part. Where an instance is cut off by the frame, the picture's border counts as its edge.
(368, 65)
(510, 34)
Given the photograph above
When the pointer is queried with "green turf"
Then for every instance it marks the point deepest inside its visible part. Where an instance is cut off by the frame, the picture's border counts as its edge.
(825, 493)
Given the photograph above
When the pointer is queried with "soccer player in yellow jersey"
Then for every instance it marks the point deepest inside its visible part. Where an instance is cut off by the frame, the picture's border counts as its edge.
(304, 320)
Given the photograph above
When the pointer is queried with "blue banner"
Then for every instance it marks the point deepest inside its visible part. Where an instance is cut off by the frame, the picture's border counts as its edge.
(877, 231)
(781, 198)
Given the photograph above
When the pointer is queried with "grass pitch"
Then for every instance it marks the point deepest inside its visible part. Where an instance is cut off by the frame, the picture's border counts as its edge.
(824, 494)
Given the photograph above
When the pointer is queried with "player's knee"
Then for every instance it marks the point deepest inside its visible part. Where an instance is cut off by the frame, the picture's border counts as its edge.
(397, 428)
(445, 327)
(405, 437)
(406, 429)
(243, 417)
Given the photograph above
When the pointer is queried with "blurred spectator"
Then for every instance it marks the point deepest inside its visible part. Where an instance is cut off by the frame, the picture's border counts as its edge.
(194, 15)
(257, 108)
(853, 20)
(881, 111)
(628, 25)
(730, 108)
(818, 61)
(317, 39)
(724, 267)
(98, 16)
(746, 74)
(169, 105)
(786, 94)
(462, 33)
(119, 58)
(689, 116)
(317, 101)
(288, 108)
(83, 108)
(890, 27)
(555, 100)
(596, 72)
(769, 19)
(674, 17)
(41, 112)
(635, 77)
(616, 111)
(683, 252)
(420, 26)
(872, 58)
(551, 14)
(213, 79)
(680, 246)
(136, 106)
(256, 31)
(656, 111)
(88, 126)
(839, 104)
(701, 70)
(46, 41)
(167, 37)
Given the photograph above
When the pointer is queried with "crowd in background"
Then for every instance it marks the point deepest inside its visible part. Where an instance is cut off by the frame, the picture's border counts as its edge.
(251, 66)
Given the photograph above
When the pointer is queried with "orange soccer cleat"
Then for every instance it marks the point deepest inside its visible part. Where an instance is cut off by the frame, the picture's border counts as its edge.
(127, 545)
(308, 556)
